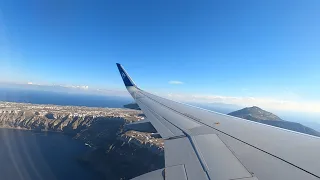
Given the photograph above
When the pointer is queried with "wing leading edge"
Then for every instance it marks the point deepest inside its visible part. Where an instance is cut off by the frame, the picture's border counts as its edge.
(201, 144)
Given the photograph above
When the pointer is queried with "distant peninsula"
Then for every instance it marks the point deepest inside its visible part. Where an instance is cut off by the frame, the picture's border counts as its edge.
(259, 115)
(132, 106)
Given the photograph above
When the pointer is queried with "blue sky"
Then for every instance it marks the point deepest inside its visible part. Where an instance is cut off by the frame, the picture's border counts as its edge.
(231, 49)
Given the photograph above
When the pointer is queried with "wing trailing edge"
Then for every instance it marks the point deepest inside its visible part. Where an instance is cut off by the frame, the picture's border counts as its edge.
(204, 145)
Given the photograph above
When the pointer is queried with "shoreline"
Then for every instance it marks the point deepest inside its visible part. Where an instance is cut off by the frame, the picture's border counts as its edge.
(110, 153)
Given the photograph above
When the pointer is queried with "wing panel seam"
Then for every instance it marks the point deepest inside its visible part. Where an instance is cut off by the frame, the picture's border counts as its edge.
(233, 137)
(154, 116)
(204, 166)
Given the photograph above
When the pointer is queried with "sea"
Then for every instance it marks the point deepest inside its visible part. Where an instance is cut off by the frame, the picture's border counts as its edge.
(28, 155)
(61, 98)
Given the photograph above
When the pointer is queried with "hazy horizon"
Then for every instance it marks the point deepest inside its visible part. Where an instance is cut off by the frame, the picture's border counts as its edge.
(82, 98)
(253, 53)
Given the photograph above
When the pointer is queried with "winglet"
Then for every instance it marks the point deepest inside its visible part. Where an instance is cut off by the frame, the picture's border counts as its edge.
(125, 77)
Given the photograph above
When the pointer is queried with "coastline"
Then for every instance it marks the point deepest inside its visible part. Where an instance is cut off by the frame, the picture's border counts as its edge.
(113, 152)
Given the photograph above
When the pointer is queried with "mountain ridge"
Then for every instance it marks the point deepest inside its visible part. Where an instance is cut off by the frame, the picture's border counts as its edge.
(257, 114)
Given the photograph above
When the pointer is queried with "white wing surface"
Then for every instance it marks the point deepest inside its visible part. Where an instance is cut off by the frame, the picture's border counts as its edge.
(205, 145)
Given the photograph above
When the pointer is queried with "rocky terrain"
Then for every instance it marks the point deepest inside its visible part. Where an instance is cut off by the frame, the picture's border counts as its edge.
(259, 115)
(132, 106)
(115, 153)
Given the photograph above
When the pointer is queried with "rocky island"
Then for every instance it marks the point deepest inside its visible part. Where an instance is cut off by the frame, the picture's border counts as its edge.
(116, 152)
(257, 114)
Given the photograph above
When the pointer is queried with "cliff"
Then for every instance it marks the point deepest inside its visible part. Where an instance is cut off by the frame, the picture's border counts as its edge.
(115, 154)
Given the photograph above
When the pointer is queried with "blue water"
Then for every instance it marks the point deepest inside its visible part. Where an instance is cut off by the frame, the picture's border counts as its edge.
(25, 155)
(61, 98)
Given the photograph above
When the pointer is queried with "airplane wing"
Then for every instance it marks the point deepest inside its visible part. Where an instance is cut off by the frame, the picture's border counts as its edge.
(204, 145)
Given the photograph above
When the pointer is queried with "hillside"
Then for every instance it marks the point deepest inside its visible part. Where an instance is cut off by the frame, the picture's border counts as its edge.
(255, 114)
(132, 106)
(259, 115)
(114, 153)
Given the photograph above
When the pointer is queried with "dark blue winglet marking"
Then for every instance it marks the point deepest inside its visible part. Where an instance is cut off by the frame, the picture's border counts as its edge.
(125, 77)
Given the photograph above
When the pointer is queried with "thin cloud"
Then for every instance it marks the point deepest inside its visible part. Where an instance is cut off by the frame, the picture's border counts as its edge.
(84, 87)
(175, 82)
(267, 103)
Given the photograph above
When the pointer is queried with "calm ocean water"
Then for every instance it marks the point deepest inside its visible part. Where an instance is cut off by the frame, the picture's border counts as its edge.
(25, 155)
(61, 98)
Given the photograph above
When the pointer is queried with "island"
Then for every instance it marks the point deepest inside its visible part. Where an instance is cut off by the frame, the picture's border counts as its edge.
(118, 149)
(257, 114)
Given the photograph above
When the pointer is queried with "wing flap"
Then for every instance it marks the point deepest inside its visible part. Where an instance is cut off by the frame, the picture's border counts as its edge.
(248, 147)
(295, 149)
(175, 172)
(220, 161)
(154, 175)
(180, 152)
